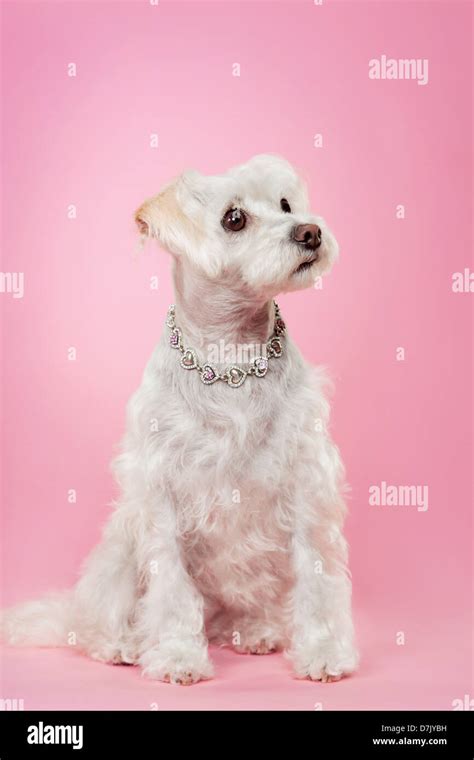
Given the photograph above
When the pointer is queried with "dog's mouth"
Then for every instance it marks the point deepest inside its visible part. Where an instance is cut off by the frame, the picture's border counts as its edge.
(305, 265)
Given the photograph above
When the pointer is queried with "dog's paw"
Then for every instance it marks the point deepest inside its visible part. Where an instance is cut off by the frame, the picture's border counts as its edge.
(115, 653)
(256, 637)
(177, 666)
(324, 661)
(260, 646)
(126, 655)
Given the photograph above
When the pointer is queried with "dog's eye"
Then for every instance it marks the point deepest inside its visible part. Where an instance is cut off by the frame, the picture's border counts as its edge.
(234, 220)
(285, 206)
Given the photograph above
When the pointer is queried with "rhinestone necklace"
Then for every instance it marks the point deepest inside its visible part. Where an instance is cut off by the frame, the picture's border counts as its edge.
(234, 375)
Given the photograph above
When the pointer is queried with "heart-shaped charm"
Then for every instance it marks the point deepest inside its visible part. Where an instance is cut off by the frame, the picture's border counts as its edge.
(261, 366)
(274, 347)
(235, 376)
(175, 338)
(209, 374)
(280, 326)
(188, 359)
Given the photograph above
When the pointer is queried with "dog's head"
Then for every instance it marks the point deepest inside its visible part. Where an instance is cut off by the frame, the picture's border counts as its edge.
(252, 223)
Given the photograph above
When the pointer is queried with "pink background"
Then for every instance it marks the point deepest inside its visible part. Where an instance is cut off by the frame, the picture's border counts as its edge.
(85, 140)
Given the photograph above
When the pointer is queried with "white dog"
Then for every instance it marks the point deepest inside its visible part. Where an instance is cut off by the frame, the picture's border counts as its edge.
(229, 524)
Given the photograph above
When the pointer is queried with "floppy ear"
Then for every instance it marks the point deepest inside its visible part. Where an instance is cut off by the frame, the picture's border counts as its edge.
(152, 215)
(172, 216)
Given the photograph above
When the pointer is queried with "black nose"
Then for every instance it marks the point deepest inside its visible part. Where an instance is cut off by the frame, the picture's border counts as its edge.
(308, 235)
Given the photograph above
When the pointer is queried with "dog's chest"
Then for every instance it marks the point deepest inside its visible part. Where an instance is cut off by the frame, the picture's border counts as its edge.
(237, 546)
(233, 512)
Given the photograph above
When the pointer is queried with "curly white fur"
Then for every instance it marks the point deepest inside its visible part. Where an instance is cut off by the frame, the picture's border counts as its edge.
(229, 527)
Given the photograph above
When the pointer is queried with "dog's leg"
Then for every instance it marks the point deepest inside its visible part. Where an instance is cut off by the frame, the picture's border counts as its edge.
(322, 632)
(105, 596)
(170, 619)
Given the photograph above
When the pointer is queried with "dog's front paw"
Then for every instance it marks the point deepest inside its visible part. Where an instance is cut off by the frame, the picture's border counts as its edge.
(325, 661)
(178, 665)
(115, 652)
(258, 646)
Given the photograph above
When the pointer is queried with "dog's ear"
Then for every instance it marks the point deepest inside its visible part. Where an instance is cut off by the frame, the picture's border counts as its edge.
(172, 216)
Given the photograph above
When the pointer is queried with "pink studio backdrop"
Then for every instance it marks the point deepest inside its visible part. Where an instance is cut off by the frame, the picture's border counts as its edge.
(85, 140)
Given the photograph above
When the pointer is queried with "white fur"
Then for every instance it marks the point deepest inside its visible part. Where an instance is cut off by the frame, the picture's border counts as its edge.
(229, 527)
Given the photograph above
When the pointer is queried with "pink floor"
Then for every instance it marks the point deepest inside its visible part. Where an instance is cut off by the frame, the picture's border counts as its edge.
(429, 671)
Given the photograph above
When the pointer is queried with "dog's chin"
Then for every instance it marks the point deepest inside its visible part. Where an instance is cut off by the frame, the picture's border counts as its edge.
(304, 273)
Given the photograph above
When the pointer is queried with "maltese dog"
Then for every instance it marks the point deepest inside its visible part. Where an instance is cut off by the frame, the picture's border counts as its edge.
(229, 524)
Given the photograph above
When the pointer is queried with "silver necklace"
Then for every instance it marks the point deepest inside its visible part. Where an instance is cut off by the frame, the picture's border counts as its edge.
(234, 375)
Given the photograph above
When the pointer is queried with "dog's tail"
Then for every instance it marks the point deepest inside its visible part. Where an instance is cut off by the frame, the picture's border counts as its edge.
(45, 622)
